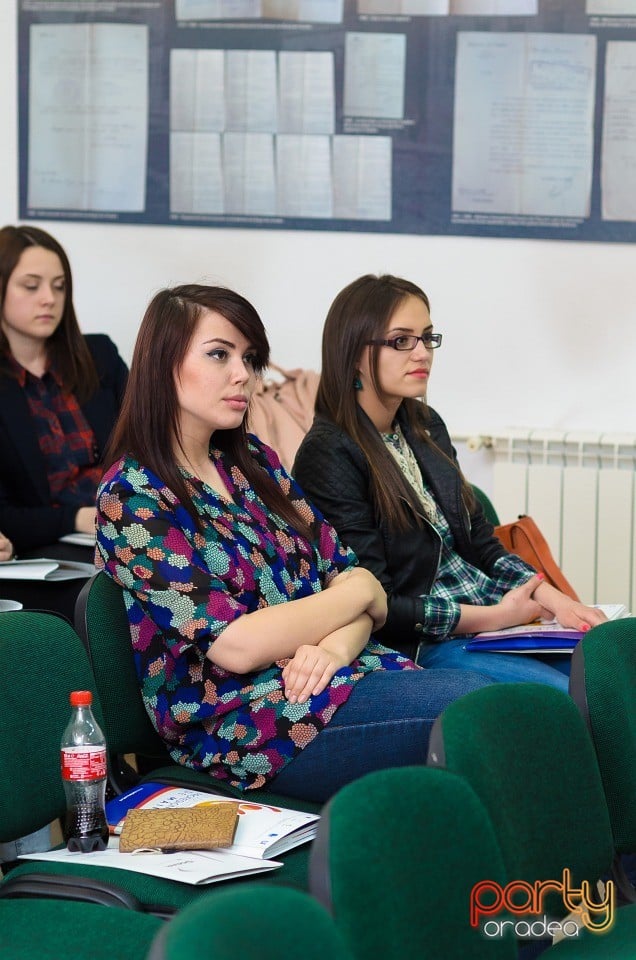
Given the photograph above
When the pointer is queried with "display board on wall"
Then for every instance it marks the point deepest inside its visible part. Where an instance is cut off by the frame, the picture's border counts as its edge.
(461, 117)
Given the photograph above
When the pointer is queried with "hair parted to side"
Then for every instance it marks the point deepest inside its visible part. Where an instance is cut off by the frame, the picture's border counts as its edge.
(148, 422)
(66, 347)
(362, 312)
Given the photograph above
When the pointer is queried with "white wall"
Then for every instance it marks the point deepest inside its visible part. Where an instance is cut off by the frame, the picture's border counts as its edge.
(537, 333)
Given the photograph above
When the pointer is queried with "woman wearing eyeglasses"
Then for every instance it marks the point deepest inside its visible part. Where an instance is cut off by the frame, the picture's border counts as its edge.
(380, 465)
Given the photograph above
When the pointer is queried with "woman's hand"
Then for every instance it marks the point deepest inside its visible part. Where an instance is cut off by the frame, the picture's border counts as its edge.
(6, 548)
(85, 520)
(520, 605)
(570, 613)
(309, 671)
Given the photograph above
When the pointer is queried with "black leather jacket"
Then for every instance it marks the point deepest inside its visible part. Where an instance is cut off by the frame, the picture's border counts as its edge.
(333, 472)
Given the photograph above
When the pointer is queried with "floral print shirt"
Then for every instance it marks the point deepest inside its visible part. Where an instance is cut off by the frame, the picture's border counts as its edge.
(182, 587)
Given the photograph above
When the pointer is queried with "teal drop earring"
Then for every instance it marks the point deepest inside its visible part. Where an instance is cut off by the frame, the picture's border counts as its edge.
(357, 382)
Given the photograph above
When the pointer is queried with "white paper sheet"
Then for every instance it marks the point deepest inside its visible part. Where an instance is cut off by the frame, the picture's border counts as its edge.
(196, 173)
(625, 8)
(362, 177)
(316, 11)
(306, 92)
(493, 8)
(191, 866)
(8, 605)
(427, 8)
(46, 569)
(409, 7)
(197, 90)
(304, 176)
(313, 11)
(249, 174)
(88, 116)
(217, 9)
(523, 123)
(79, 539)
(618, 150)
(374, 74)
(250, 90)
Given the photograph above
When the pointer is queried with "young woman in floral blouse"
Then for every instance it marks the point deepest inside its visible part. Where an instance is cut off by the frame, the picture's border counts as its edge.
(251, 623)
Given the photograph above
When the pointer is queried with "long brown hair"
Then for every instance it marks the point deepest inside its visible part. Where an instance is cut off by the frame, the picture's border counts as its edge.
(361, 312)
(148, 422)
(66, 348)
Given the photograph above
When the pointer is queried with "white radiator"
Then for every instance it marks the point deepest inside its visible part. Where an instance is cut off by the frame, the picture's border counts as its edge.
(581, 490)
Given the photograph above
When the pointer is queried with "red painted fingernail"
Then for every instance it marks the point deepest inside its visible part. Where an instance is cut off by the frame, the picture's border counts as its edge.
(585, 628)
(540, 576)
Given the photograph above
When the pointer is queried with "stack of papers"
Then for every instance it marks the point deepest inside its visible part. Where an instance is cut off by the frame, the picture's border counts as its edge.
(6, 605)
(45, 569)
(538, 637)
(190, 866)
(262, 831)
(79, 539)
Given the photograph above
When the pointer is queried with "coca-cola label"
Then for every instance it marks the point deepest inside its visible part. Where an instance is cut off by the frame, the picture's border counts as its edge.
(83, 763)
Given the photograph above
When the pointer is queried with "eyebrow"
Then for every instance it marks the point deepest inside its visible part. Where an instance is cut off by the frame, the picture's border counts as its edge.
(408, 329)
(225, 343)
(38, 276)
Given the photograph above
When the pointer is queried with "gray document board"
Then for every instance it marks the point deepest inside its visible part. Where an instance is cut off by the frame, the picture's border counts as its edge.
(461, 117)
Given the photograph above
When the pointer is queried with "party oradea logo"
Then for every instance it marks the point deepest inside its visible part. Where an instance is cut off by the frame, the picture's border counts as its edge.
(522, 907)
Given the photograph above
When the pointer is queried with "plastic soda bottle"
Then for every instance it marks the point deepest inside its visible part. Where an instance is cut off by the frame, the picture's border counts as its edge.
(83, 762)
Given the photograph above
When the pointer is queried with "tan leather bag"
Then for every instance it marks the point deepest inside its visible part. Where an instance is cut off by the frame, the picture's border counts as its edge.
(282, 411)
(524, 538)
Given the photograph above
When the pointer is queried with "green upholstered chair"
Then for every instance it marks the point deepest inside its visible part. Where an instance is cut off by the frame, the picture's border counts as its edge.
(487, 505)
(603, 686)
(43, 659)
(395, 859)
(525, 751)
(255, 921)
(102, 624)
(52, 929)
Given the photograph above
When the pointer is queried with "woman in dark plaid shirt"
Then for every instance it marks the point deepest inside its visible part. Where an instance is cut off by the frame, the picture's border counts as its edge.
(60, 393)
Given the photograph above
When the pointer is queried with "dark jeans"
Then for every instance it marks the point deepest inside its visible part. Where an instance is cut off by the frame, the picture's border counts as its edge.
(386, 722)
(554, 670)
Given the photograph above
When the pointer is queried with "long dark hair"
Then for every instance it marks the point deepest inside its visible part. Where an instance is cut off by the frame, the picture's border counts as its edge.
(361, 312)
(148, 422)
(66, 348)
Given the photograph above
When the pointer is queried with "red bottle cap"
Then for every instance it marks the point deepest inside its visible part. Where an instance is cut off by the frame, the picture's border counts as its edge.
(81, 698)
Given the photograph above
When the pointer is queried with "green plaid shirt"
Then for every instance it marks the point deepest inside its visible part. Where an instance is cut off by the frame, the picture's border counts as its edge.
(457, 580)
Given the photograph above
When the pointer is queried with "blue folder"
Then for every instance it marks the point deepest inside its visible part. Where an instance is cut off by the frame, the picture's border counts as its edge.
(550, 641)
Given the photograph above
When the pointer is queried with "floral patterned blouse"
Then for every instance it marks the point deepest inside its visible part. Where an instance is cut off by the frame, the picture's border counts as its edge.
(182, 587)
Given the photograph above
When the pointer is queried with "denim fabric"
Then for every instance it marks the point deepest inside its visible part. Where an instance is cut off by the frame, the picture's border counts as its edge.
(500, 667)
(386, 722)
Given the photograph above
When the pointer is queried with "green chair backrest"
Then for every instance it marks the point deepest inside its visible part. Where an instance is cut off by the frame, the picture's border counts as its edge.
(42, 661)
(603, 685)
(487, 505)
(255, 921)
(39, 929)
(526, 752)
(102, 623)
(395, 859)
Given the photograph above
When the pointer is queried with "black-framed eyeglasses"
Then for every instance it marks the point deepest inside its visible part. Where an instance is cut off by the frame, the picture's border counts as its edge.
(430, 340)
